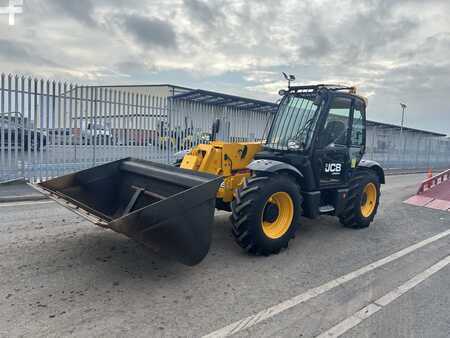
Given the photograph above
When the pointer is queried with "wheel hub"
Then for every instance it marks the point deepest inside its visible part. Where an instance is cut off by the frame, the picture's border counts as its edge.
(368, 200)
(364, 198)
(277, 215)
(270, 213)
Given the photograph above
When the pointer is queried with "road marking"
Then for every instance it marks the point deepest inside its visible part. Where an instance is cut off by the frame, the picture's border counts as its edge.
(250, 321)
(380, 303)
(16, 204)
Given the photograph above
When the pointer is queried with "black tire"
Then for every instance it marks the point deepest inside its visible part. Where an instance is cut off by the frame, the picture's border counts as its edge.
(247, 213)
(221, 205)
(352, 216)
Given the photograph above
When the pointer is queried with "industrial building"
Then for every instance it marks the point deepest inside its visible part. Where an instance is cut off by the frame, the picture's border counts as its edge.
(246, 119)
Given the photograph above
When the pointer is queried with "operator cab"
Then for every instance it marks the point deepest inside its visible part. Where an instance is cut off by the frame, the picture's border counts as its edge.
(321, 131)
(310, 164)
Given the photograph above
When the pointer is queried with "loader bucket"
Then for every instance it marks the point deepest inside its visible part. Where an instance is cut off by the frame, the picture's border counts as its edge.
(164, 207)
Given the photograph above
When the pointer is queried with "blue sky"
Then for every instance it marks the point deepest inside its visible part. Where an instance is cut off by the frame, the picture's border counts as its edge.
(392, 50)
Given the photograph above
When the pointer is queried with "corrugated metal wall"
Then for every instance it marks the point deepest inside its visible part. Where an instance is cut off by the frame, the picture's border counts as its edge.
(407, 149)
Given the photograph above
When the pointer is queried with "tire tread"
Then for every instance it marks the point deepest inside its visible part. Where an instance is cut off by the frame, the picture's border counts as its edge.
(243, 211)
(351, 217)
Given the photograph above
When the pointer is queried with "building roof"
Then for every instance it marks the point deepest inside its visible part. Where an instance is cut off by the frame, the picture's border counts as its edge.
(220, 99)
(214, 98)
(394, 126)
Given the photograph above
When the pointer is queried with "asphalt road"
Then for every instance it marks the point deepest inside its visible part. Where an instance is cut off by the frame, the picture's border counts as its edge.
(61, 276)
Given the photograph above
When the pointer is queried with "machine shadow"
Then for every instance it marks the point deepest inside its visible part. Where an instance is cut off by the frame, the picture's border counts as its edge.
(111, 257)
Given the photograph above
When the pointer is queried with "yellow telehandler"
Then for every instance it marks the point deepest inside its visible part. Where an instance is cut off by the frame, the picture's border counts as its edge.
(309, 164)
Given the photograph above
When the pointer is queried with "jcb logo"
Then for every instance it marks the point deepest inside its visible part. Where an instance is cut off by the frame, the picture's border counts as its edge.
(333, 168)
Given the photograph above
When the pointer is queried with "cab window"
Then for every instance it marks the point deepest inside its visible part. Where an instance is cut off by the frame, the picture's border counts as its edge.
(357, 127)
(336, 126)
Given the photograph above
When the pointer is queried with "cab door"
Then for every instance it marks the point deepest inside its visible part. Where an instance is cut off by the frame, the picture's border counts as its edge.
(358, 132)
(332, 156)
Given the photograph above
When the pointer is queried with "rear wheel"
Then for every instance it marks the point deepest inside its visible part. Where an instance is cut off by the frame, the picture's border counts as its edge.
(363, 200)
(265, 213)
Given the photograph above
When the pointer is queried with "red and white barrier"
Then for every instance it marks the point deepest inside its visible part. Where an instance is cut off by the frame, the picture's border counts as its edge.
(434, 181)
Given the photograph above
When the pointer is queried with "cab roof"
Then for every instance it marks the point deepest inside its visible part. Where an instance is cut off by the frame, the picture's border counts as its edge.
(313, 89)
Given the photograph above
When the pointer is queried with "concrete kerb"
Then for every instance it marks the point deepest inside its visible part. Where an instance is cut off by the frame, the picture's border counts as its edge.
(18, 190)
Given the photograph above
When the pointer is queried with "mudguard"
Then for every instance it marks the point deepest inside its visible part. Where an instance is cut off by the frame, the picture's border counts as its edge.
(273, 166)
(369, 164)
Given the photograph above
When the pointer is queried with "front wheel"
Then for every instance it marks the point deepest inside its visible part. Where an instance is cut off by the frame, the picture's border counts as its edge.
(362, 201)
(265, 213)
(221, 205)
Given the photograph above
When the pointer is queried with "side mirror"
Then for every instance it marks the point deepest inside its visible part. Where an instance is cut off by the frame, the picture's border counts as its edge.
(359, 137)
(317, 99)
(294, 145)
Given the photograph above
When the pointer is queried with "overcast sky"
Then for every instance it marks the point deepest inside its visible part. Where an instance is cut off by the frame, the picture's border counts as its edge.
(392, 50)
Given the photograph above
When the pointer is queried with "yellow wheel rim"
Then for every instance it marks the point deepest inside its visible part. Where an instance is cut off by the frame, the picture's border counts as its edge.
(281, 209)
(369, 199)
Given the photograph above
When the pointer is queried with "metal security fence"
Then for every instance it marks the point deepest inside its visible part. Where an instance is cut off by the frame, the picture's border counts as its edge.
(50, 128)
(235, 124)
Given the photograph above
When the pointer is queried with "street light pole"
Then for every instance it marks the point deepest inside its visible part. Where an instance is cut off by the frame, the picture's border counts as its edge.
(404, 106)
(402, 139)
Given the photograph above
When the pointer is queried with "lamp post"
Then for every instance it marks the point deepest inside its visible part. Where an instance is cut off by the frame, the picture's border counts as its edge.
(404, 106)
(402, 139)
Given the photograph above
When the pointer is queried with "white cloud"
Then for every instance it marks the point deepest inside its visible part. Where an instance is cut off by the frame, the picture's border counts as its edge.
(391, 50)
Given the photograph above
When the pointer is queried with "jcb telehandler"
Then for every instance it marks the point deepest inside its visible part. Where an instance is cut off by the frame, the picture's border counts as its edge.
(310, 164)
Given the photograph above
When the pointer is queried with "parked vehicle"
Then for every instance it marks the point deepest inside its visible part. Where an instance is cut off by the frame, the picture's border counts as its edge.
(14, 130)
(97, 133)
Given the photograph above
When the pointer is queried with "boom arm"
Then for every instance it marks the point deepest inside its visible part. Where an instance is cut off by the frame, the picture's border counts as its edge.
(229, 160)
